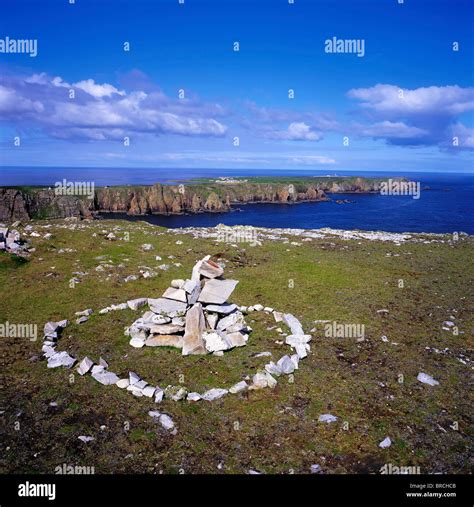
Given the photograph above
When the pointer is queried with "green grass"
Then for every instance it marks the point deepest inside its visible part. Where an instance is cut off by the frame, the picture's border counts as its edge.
(271, 430)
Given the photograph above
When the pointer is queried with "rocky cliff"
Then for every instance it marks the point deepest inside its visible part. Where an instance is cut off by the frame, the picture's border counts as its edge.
(24, 204)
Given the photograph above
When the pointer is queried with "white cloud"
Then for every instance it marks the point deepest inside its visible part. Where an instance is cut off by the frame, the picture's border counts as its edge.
(296, 131)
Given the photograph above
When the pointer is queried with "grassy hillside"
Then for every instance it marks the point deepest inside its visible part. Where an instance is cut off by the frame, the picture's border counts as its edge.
(272, 431)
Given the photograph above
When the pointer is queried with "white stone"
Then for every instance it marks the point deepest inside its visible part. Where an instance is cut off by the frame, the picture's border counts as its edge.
(217, 291)
(166, 422)
(135, 304)
(215, 341)
(61, 359)
(212, 319)
(149, 391)
(159, 393)
(193, 397)
(175, 393)
(385, 443)
(210, 269)
(176, 294)
(258, 308)
(239, 387)
(85, 438)
(223, 309)
(214, 394)
(427, 379)
(286, 365)
(84, 313)
(232, 323)
(273, 369)
(133, 377)
(84, 366)
(327, 418)
(293, 323)
(168, 307)
(106, 377)
(237, 339)
(137, 343)
(123, 383)
(177, 284)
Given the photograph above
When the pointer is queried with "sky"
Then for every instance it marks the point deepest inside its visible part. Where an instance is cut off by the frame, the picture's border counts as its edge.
(267, 84)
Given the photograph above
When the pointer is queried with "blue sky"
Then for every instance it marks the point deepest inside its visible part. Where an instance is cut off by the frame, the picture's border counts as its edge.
(400, 106)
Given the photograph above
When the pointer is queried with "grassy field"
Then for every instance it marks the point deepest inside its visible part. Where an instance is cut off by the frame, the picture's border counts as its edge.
(369, 385)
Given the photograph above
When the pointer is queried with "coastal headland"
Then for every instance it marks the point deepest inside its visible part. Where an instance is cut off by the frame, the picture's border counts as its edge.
(192, 196)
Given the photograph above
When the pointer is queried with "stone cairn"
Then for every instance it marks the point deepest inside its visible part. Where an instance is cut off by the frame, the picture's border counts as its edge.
(10, 241)
(194, 316)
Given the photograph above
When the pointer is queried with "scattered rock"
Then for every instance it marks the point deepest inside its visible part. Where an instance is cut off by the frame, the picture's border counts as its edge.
(427, 379)
(327, 418)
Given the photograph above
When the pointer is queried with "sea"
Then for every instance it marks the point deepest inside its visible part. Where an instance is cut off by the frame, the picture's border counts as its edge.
(445, 205)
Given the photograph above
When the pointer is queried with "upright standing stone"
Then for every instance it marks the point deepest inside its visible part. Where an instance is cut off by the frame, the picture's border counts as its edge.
(195, 327)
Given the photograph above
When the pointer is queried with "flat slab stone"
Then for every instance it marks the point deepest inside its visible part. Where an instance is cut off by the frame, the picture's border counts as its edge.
(168, 307)
(214, 394)
(165, 340)
(176, 294)
(135, 304)
(222, 309)
(123, 383)
(293, 323)
(217, 291)
(327, 418)
(106, 377)
(427, 379)
(61, 359)
(84, 366)
(239, 387)
(166, 329)
(194, 397)
(210, 269)
(193, 342)
(149, 391)
(237, 339)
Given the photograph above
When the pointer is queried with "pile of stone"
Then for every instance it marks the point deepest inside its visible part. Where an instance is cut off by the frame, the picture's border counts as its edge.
(193, 315)
(10, 241)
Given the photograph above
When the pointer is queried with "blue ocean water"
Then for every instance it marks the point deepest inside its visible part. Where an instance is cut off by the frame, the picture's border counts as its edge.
(447, 206)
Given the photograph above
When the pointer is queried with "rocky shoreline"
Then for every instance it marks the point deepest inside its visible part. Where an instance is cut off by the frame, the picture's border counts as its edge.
(40, 203)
